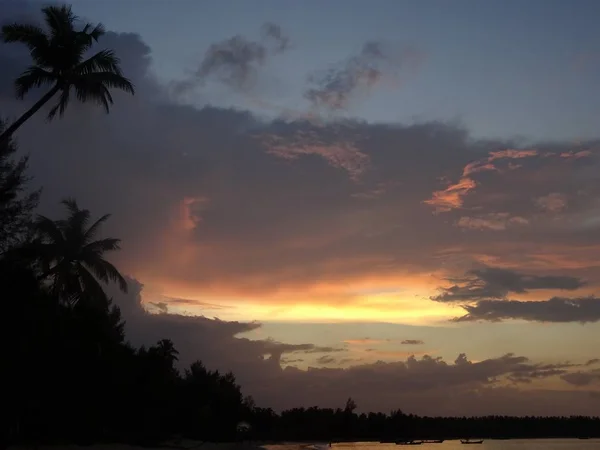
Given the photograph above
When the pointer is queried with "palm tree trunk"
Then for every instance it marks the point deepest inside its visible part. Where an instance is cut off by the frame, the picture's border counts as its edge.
(6, 134)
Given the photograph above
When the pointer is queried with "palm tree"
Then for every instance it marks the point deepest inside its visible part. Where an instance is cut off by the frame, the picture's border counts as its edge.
(166, 349)
(58, 56)
(71, 259)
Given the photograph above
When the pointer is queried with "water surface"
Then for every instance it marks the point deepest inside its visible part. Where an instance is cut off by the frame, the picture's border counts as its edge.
(512, 444)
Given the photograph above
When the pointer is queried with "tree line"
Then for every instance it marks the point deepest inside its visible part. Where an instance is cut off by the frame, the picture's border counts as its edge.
(69, 375)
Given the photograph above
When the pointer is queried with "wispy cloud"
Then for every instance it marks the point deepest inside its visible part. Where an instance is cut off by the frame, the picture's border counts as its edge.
(235, 61)
(491, 221)
(412, 342)
(376, 64)
(554, 202)
(365, 341)
(340, 154)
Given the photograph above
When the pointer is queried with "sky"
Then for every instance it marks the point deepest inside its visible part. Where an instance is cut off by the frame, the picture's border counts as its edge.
(392, 200)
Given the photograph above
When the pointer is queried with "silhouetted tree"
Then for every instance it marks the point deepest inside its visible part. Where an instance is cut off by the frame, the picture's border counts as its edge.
(16, 204)
(58, 55)
(69, 256)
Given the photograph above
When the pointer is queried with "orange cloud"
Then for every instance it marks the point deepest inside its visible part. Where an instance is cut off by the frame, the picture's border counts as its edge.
(576, 155)
(453, 196)
(492, 221)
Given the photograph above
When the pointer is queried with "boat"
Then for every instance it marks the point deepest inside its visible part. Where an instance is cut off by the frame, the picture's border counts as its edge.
(433, 441)
(409, 442)
(470, 441)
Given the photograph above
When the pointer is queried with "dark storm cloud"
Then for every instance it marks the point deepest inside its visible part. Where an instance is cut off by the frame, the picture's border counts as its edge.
(412, 342)
(235, 61)
(374, 65)
(557, 309)
(496, 283)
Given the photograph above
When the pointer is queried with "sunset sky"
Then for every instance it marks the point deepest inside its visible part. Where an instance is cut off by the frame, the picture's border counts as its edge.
(393, 200)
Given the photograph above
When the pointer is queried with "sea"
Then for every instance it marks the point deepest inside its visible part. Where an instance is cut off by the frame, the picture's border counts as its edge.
(511, 444)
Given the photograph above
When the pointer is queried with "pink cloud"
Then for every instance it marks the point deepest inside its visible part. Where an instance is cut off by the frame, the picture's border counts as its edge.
(341, 155)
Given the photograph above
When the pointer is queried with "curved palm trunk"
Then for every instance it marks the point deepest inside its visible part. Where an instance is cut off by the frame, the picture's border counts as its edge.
(27, 115)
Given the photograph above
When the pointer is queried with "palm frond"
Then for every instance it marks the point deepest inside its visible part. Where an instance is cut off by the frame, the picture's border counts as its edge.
(94, 87)
(103, 61)
(90, 285)
(76, 222)
(89, 35)
(111, 80)
(71, 205)
(30, 35)
(62, 104)
(49, 229)
(97, 248)
(106, 272)
(91, 232)
(95, 92)
(60, 20)
(34, 76)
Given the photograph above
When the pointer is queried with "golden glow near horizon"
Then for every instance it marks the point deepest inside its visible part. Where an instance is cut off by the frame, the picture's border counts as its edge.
(410, 306)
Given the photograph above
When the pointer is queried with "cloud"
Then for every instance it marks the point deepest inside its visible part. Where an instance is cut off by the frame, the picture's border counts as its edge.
(491, 221)
(422, 385)
(365, 341)
(343, 155)
(453, 196)
(235, 62)
(412, 342)
(582, 378)
(373, 66)
(273, 32)
(326, 360)
(497, 283)
(218, 343)
(576, 155)
(554, 202)
(556, 309)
